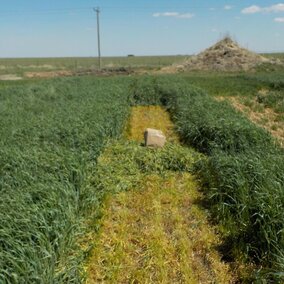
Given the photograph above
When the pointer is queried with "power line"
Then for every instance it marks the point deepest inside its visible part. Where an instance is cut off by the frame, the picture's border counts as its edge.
(117, 8)
(46, 11)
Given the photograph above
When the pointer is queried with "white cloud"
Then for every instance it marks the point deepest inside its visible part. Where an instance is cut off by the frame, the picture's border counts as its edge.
(279, 20)
(185, 16)
(166, 14)
(257, 9)
(174, 15)
(214, 30)
(212, 9)
(251, 10)
(275, 8)
(228, 7)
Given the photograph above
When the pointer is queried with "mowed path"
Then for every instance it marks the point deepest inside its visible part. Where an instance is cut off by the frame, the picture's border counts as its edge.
(156, 232)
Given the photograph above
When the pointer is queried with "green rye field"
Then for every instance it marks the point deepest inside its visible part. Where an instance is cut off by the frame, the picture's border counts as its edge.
(58, 134)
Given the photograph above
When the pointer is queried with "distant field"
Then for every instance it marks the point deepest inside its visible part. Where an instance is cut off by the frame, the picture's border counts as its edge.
(21, 65)
(274, 55)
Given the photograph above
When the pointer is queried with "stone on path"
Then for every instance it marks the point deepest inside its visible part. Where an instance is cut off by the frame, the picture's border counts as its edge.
(154, 138)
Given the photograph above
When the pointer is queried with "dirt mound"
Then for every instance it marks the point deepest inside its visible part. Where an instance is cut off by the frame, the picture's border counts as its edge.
(225, 55)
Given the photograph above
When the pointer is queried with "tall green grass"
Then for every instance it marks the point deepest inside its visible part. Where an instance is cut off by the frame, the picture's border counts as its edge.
(274, 100)
(225, 85)
(50, 137)
(243, 176)
(52, 133)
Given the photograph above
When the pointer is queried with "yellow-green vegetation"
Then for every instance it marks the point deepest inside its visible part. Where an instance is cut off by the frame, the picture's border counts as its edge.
(150, 117)
(51, 135)
(157, 234)
(242, 177)
(154, 229)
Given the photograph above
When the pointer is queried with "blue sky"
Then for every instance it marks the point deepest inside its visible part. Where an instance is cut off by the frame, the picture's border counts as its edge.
(33, 28)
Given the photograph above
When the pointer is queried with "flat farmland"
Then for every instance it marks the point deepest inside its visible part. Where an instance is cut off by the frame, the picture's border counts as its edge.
(141, 143)
(70, 172)
(21, 65)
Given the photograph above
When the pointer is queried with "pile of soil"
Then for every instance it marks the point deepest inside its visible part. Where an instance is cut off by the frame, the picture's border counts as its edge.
(225, 55)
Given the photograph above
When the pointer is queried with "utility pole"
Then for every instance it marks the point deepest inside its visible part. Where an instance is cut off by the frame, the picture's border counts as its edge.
(97, 10)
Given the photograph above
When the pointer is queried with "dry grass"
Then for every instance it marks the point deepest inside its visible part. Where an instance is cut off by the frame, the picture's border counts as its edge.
(156, 232)
(150, 117)
(48, 74)
(10, 77)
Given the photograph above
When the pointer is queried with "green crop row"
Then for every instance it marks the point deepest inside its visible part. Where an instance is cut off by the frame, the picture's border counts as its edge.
(243, 175)
(267, 88)
(52, 133)
(274, 80)
(50, 137)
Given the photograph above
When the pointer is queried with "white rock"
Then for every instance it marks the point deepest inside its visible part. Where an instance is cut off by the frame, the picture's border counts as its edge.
(154, 138)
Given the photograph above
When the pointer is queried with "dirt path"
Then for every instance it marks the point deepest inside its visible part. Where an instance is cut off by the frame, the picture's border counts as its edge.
(154, 231)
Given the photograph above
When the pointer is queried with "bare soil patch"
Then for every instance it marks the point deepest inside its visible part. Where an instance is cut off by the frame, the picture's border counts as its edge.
(68, 73)
(48, 74)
